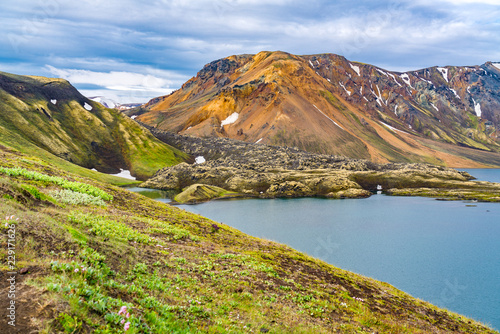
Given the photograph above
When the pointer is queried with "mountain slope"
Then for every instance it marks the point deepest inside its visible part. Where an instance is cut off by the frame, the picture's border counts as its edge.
(80, 264)
(54, 116)
(326, 104)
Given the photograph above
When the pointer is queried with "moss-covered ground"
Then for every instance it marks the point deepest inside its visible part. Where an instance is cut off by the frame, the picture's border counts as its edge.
(131, 264)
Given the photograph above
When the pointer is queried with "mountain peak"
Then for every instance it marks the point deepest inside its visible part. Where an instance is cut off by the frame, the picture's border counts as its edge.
(327, 104)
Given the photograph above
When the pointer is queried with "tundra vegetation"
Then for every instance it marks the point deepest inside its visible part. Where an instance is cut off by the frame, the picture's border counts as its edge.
(92, 257)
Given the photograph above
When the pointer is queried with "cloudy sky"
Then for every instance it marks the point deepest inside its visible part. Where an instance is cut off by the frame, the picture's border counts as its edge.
(133, 50)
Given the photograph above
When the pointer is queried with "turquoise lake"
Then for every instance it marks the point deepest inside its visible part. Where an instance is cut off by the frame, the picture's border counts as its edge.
(444, 252)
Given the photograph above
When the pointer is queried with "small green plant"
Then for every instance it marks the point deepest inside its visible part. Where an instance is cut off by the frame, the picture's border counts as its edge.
(37, 193)
(102, 226)
(174, 232)
(63, 183)
(76, 198)
(69, 324)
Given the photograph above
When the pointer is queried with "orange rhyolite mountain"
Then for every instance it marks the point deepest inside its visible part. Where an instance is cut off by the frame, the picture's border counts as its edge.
(327, 104)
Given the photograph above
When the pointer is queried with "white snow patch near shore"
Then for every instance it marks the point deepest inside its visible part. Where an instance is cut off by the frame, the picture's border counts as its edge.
(230, 120)
(53, 101)
(355, 68)
(328, 117)
(199, 160)
(444, 73)
(125, 174)
(88, 107)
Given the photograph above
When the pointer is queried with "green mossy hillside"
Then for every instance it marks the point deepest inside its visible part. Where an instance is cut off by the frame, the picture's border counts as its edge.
(131, 264)
(53, 116)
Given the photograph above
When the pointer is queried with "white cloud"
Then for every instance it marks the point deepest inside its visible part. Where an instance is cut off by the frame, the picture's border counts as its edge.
(459, 2)
(123, 87)
(172, 39)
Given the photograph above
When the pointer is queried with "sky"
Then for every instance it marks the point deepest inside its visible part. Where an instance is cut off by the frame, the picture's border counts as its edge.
(134, 50)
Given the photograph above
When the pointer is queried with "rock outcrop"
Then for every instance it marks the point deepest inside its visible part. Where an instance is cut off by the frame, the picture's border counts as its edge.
(265, 171)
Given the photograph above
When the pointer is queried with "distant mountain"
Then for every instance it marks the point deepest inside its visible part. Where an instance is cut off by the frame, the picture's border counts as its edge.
(327, 104)
(52, 115)
(109, 103)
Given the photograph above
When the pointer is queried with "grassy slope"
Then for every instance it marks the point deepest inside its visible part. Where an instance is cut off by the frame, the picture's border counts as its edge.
(100, 138)
(17, 142)
(178, 272)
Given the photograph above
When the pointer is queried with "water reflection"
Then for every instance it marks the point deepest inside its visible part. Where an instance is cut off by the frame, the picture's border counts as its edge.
(164, 196)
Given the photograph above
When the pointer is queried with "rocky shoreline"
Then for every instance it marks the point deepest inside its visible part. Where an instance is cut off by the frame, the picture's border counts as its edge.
(262, 171)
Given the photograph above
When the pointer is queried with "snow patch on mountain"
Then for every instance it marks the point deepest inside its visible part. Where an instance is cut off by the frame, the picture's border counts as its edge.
(87, 106)
(230, 120)
(355, 68)
(477, 108)
(348, 92)
(406, 79)
(328, 117)
(392, 75)
(392, 128)
(444, 73)
(455, 92)
(53, 101)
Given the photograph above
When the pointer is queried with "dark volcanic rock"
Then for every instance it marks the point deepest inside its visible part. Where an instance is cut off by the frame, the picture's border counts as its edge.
(273, 171)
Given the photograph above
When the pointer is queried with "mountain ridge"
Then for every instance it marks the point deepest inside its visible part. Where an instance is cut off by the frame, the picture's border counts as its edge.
(52, 115)
(328, 104)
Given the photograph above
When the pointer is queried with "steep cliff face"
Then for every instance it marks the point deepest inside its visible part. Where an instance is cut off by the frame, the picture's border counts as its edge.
(327, 104)
(54, 116)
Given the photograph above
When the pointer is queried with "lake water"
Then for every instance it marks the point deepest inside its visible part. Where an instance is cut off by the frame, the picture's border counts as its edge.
(444, 252)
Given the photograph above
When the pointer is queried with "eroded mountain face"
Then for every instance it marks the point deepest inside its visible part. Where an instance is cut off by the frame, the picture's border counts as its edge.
(327, 104)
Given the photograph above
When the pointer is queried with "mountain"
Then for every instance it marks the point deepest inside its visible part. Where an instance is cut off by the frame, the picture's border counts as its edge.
(327, 104)
(50, 115)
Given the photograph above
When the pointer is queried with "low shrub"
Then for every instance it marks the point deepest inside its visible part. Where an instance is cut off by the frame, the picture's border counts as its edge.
(71, 197)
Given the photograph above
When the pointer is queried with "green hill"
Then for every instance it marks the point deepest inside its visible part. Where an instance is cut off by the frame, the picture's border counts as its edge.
(92, 257)
(41, 115)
